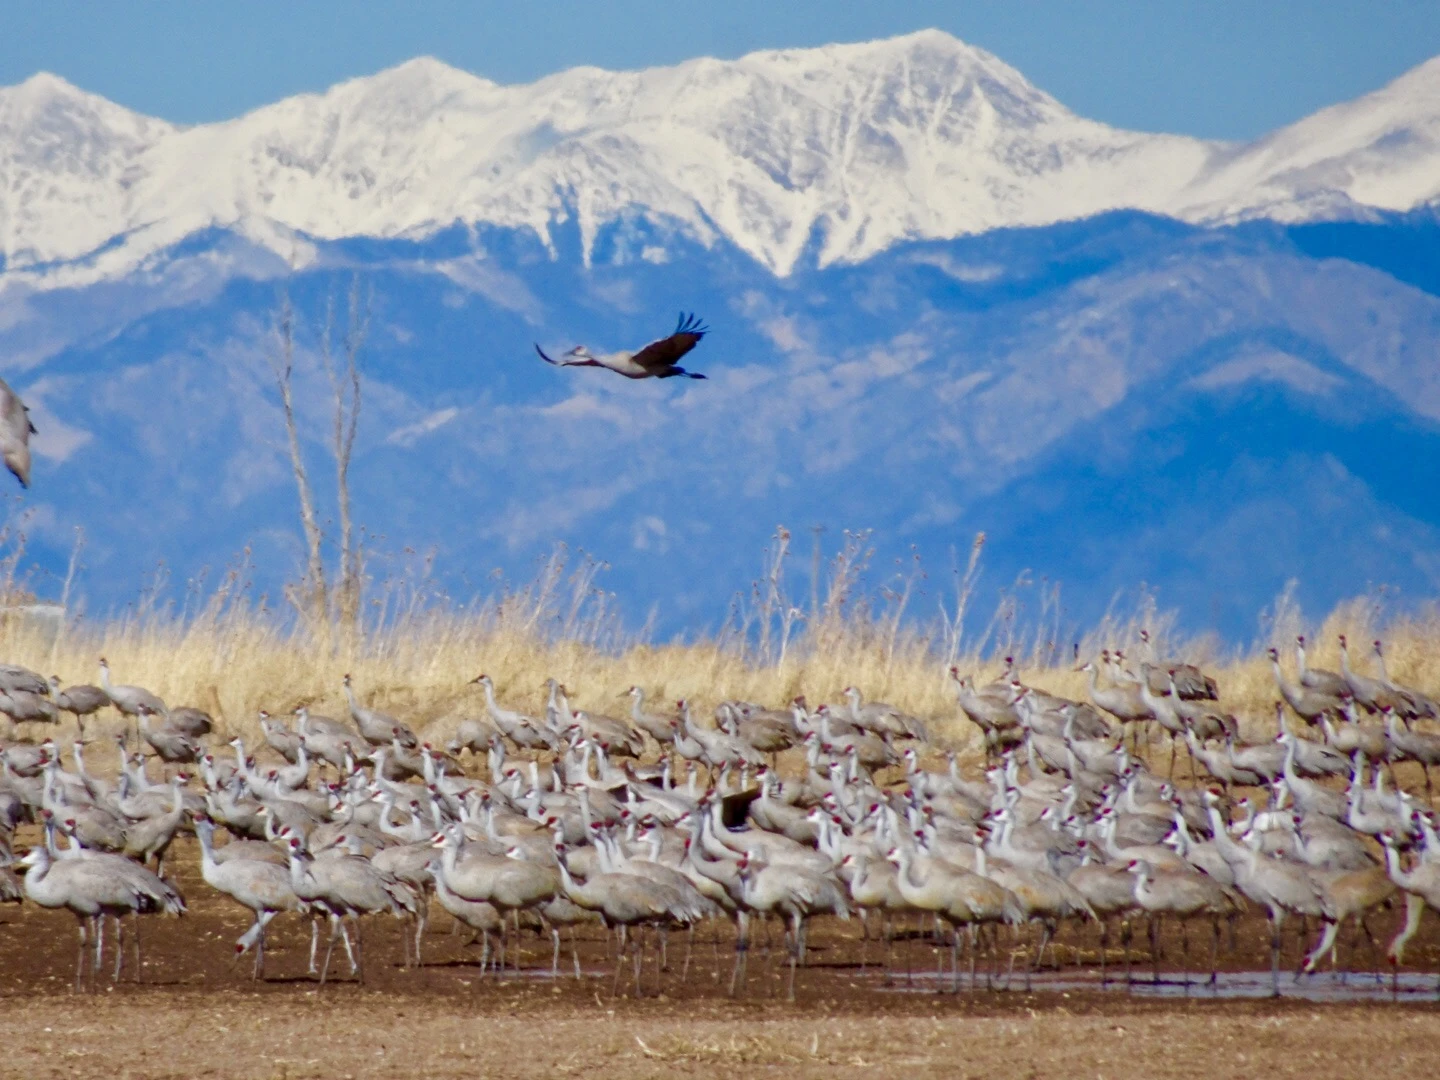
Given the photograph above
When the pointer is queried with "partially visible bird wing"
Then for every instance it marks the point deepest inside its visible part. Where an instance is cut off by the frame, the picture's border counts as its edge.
(667, 351)
(15, 431)
(565, 361)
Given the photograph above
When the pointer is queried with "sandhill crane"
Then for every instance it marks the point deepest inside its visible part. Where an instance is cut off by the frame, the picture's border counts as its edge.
(1348, 894)
(1193, 684)
(1415, 745)
(992, 711)
(1413, 704)
(1203, 719)
(377, 728)
(1162, 704)
(879, 716)
(767, 734)
(958, 896)
(716, 747)
(1183, 896)
(1110, 892)
(172, 747)
(1043, 896)
(510, 884)
(793, 894)
(326, 725)
(1266, 760)
(347, 886)
(79, 701)
(1278, 885)
(326, 744)
(150, 836)
(1312, 759)
(479, 915)
(657, 360)
(874, 886)
(1370, 693)
(1308, 704)
(23, 706)
(656, 726)
(1350, 736)
(1422, 890)
(471, 734)
(196, 723)
(1218, 764)
(614, 735)
(1310, 797)
(262, 886)
(94, 886)
(280, 738)
(1326, 682)
(524, 731)
(15, 432)
(625, 900)
(1122, 702)
(128, 699)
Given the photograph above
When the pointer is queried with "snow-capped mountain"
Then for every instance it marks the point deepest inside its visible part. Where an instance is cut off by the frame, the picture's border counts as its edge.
(840, 151)
(1225, 381)
(1381, 151)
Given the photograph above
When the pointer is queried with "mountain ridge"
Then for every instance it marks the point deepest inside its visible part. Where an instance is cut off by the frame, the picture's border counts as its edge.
(841, 151)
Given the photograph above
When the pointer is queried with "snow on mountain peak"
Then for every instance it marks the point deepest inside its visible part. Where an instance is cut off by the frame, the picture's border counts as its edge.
(839, 151)
(1381, 150)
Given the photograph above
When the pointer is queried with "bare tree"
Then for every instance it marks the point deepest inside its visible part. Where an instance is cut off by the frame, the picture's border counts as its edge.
(311, 597)
(326, 600)
(345, 385)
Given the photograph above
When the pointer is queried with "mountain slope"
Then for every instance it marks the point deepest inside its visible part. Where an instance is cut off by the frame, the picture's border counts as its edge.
(1114, 401)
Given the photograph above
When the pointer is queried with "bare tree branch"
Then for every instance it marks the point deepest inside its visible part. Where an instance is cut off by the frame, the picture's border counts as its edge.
(345, 387)
(312, 600)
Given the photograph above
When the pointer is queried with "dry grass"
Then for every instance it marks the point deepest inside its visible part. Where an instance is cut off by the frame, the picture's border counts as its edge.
(233, 656)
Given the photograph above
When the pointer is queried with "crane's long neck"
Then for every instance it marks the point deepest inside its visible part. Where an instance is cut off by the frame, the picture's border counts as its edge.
(1279, 675)
(206, 835)
(1291, 776)
(568, 883)
(1392, 865)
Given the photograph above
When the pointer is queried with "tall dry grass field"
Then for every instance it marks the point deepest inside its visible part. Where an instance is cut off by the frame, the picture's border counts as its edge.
(233, 656)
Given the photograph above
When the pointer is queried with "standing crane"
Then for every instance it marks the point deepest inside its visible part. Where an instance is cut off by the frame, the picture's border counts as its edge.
(347, 886)
(377, 728)
(92, 886)
(261, 886)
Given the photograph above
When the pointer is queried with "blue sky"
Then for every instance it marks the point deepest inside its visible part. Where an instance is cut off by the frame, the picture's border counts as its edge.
(1213, 68)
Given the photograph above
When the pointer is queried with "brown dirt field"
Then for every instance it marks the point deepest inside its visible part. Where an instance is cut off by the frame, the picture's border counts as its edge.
(197, 1015)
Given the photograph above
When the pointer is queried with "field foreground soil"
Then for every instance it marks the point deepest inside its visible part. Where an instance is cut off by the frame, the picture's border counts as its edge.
(198, 1014)
(527, 1030)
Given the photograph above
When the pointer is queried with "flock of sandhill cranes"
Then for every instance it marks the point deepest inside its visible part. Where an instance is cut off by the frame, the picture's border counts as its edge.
(577, 817)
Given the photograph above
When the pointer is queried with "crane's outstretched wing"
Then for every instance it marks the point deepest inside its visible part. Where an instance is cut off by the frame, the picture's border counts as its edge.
(15, 432)
(667, 351)
(566, 360)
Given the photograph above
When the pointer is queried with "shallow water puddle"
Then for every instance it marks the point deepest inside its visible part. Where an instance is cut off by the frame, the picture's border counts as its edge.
(1322, 986)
